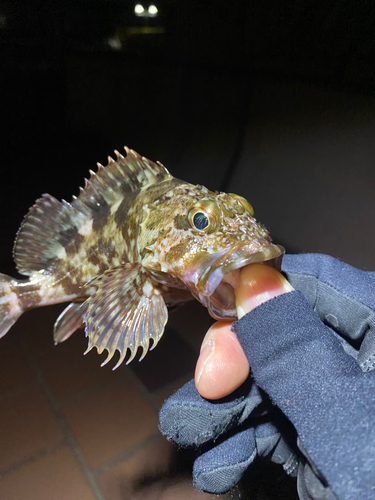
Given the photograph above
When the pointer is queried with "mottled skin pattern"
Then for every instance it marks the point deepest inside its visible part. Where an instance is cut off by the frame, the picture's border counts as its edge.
(178, 246)
(134, 218)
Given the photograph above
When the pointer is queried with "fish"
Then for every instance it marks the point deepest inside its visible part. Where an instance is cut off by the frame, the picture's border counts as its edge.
(134, 242)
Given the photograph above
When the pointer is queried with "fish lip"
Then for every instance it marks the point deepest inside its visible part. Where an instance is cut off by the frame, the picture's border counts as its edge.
(238, 257)
(210, 282)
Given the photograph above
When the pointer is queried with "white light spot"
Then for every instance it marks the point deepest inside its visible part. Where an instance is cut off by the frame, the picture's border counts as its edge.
(114, 42)
(86, 228)
(139, 9)
(153, 10)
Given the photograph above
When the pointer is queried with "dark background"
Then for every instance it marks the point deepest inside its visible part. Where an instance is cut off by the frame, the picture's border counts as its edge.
(270, 99)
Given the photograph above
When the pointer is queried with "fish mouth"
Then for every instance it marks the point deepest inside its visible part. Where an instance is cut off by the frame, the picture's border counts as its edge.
(215, 287)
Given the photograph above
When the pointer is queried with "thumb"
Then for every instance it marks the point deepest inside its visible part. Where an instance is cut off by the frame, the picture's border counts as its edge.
(222, 365)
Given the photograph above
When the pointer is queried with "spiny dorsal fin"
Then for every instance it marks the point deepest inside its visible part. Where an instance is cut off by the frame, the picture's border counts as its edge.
(51, 224)
(125, 174)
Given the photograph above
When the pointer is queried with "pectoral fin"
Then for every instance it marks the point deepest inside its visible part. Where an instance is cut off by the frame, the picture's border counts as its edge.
(125, 312)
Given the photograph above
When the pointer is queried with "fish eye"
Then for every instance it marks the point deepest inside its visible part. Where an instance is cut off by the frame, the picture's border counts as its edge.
(246, 205)
(204, 216)
(200, 221)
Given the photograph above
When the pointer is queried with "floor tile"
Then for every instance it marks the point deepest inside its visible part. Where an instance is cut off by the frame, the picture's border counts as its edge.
(181, 489)
(151, 474)
(172, 359)
(111, 420)
(27, 426)
(68, 372)
(65, 368)
(56, 476)
(151, 462)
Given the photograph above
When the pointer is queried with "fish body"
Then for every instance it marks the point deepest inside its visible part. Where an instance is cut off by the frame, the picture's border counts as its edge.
(135, 241)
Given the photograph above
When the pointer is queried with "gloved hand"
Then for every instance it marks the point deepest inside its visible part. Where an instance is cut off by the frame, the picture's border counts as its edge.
(230, 434)
(303, 367)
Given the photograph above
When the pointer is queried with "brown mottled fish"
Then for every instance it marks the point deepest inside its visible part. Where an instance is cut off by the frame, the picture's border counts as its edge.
(135, 241)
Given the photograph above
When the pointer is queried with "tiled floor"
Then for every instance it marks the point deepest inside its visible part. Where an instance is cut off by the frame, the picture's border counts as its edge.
(72, 430)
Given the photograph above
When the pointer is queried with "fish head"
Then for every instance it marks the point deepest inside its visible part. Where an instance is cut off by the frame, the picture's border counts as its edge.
(207, 238)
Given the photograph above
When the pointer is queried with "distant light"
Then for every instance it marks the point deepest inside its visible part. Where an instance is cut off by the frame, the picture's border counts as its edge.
(139, 9)
(153, 10)
(115, 43)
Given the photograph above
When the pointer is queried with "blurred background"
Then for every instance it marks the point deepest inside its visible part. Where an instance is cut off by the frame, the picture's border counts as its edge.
(273, 100)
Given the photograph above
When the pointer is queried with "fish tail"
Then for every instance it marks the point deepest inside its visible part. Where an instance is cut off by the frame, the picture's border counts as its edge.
(10, 303)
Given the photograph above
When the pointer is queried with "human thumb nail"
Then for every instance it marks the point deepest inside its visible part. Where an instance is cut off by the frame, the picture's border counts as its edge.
(259, 283)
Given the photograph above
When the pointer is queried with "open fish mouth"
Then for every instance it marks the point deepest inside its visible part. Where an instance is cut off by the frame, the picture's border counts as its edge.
(217, 283)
